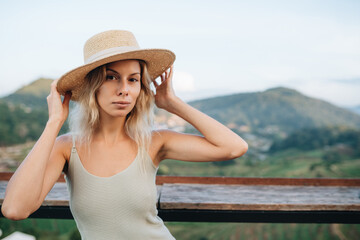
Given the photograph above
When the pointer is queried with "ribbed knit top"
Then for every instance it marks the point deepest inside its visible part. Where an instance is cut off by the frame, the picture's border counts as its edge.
(122, 206)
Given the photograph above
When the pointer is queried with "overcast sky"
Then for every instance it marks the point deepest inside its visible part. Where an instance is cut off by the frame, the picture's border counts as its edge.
(221, 46)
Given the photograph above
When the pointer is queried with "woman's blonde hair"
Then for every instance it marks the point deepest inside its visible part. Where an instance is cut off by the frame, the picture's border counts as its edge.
(84, 117)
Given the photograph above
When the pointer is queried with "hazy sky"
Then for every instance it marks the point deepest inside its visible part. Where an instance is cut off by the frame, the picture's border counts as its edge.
(221, 46)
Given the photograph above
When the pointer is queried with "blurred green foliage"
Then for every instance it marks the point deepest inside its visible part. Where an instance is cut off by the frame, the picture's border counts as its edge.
(337, 141)
(19, 125)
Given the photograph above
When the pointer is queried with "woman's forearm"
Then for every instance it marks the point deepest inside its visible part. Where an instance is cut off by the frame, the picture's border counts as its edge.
(25, 186)
(213, 131)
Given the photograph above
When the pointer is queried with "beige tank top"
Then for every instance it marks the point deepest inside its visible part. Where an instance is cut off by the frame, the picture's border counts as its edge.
(122, 206)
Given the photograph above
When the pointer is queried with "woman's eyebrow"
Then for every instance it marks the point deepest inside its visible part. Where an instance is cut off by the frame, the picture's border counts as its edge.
(109, 69)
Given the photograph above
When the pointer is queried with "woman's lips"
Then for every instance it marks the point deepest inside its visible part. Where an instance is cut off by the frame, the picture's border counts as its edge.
(121, 104)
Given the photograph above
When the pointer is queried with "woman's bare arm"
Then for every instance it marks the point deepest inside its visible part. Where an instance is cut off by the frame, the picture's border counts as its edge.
(218, 141)
(41, 168)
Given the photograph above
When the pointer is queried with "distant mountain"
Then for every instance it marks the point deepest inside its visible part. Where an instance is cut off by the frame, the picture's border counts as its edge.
(355, 109)
(32, 95)
(274, 111)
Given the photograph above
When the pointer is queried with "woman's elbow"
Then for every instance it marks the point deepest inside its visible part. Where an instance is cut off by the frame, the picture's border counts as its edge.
(239, 150)
(13, 213)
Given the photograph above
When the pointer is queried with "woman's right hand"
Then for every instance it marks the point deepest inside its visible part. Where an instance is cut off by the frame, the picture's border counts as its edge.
(58, 111)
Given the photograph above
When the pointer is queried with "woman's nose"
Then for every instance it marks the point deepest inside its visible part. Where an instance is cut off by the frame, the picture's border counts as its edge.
(122, 88)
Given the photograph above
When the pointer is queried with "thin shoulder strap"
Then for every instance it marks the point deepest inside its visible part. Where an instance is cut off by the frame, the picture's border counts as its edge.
(73, 142)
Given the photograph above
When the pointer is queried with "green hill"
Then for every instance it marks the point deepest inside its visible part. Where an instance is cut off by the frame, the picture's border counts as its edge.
(274, 111)
(32, 95)
(38, 88)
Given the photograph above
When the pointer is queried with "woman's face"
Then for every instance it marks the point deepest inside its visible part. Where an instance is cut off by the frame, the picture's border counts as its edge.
(117, 95)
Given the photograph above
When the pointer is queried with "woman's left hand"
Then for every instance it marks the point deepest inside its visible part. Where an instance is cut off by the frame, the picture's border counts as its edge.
(164, 91)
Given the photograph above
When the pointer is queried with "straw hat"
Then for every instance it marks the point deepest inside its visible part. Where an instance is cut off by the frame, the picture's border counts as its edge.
(111, 46)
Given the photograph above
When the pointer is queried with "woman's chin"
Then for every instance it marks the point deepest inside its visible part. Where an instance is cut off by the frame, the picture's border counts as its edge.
(120, 115)
(117, 114)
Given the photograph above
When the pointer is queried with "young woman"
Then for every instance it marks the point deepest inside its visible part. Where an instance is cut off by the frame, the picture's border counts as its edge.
(111, 155)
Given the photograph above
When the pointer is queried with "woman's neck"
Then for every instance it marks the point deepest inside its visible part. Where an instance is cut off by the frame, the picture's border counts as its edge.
(110, 130)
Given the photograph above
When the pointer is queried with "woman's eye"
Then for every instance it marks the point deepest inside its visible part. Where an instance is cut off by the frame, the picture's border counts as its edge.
(133, 80)
(110, 77)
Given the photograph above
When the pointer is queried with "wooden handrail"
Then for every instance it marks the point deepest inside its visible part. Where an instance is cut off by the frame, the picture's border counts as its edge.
(160, 180)
(260, 181)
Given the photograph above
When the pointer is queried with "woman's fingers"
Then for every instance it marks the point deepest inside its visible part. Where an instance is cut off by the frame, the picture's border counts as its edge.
(162, 79)
(171, 70)
(53, 85)
(168, 73)
(155, 83)
(165, 76)
(67, 98)
(66, 102)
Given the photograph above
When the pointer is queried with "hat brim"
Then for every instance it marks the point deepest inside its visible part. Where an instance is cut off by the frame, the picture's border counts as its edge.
(157, 61)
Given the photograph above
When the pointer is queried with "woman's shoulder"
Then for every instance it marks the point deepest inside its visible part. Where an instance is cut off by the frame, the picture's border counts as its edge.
(156, 137)
(64, 139)
(161, 133)
(63, 144)
(158, 141)
(159, 136)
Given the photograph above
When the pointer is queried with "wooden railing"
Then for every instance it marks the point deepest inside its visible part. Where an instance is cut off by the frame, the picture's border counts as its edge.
(235, 199)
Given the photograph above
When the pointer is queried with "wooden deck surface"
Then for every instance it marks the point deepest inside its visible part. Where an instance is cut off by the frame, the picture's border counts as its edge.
(212, 193)
(259, 197)
(240, 194)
